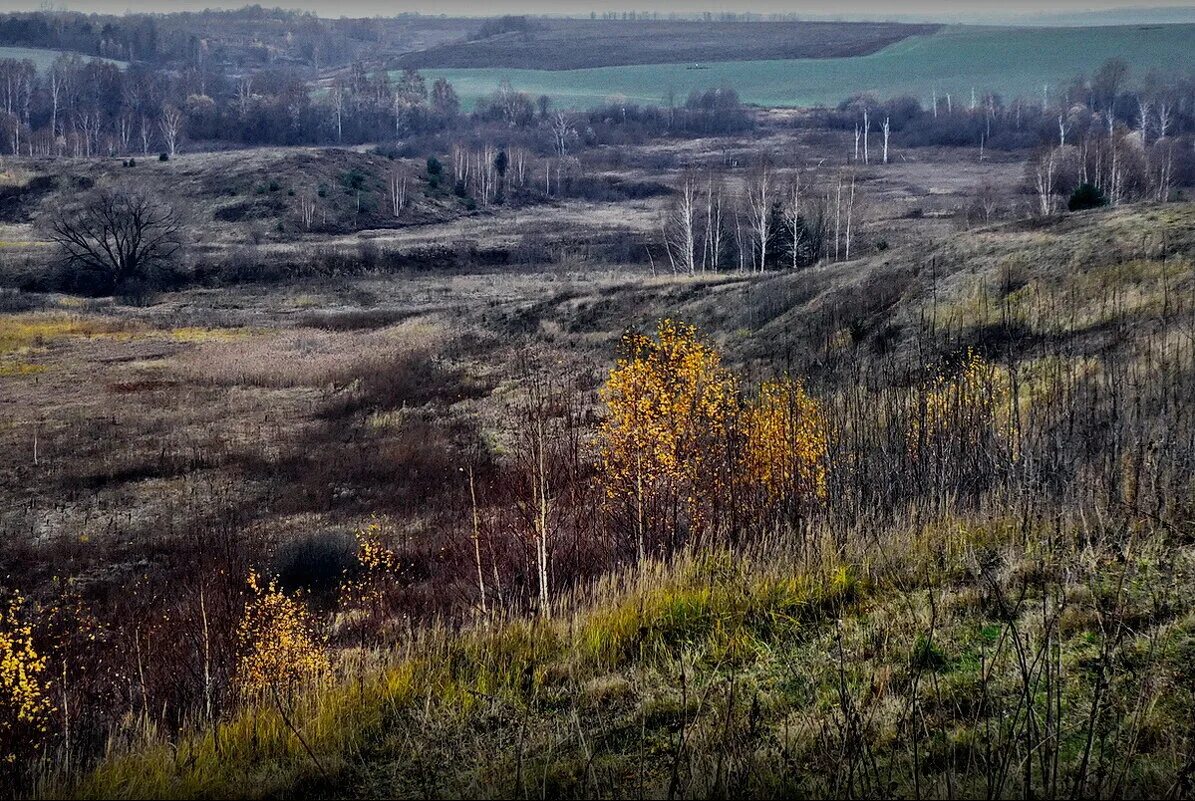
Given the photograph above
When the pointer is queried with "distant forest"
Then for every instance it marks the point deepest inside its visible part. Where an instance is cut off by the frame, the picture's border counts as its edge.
(246, 38)
(251, 77)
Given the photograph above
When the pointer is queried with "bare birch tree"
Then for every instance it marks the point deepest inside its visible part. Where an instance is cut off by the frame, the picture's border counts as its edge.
(760, 197)
(171, 123)
(562, 132)
(850, 215)
(866, 136)
(397, 186)
(680, 230)
(1044, 173)
(712, 249)
(794, 220)
(307, 207)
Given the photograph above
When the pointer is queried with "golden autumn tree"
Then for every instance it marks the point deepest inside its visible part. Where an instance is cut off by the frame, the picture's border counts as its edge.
(24, 702)
(667, 453)
(786, 445)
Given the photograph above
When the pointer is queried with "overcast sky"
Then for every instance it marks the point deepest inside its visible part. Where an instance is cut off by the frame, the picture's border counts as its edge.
(944, 9)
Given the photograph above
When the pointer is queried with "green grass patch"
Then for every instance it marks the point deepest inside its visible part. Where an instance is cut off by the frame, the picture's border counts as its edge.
(1011, 61)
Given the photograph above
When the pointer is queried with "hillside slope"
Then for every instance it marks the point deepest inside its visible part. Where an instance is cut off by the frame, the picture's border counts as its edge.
(567, 44)
(1015, 62)
(874, 308)
(992, 599)
(901, 669)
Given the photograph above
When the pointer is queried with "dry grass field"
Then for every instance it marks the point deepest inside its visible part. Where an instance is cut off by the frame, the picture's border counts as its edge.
(289, 411)
(246, 210)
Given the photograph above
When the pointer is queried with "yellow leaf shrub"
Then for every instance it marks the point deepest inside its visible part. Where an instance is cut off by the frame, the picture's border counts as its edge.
(377, 570)
(24, 703)
(786, 443)
(961, 412)
(279, 647)
(680, 446)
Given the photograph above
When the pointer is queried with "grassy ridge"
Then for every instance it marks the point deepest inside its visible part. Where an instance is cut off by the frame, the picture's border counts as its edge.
(767, 675)
(1011, 61)
(579, 43)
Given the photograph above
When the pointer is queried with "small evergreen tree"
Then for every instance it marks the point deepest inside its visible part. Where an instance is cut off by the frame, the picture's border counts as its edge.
(1086, 196)
(434, 170)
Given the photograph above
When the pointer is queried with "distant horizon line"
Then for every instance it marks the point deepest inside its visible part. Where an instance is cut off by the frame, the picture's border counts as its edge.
(1126, 14)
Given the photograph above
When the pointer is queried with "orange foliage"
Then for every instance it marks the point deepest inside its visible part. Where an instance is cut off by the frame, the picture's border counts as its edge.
(680, 447)
(672, 408)
(279, 647)
(786, 443)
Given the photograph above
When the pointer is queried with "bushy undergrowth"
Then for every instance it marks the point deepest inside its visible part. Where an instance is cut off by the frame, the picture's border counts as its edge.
(954, 659)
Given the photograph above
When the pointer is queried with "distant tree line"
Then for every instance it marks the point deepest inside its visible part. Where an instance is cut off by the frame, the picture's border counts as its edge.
(497, 26)
(87, 108)
(705, 112)
(124, 38)
(1115, 140)
(1161, 106)
(1112, 142)
(249, 37)
(708, 112)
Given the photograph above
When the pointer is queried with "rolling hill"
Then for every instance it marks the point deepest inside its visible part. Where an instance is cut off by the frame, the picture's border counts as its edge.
(955, 60)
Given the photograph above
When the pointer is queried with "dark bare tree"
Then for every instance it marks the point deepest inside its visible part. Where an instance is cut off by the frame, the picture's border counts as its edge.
(117, 235)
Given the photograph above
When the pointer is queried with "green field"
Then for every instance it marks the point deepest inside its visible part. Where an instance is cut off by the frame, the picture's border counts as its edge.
(42, 58)
(1011, 61)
